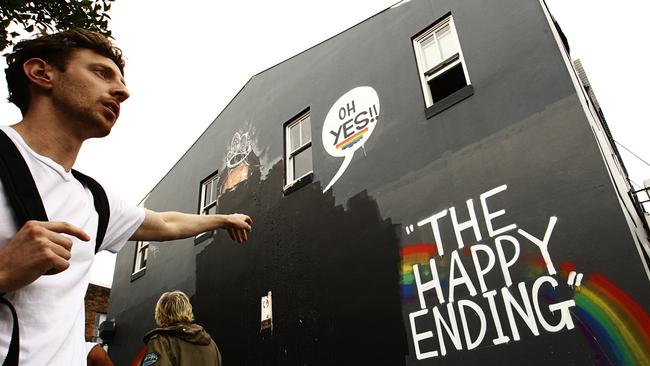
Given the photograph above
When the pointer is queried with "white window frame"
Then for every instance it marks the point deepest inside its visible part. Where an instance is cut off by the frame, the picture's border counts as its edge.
(99, 319)
(291, 154)
(141, 255)
(207, 187)
(428, 74)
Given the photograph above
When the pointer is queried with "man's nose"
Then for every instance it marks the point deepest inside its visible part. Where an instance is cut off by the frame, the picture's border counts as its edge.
(121, 93)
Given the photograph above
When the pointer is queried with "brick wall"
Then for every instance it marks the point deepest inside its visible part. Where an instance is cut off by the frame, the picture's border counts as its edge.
(95, 301)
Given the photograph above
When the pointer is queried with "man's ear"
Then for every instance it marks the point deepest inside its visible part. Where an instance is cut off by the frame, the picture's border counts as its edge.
(39, 72)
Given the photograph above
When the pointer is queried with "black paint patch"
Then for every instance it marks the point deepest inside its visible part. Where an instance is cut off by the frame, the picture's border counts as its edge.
(333, 273)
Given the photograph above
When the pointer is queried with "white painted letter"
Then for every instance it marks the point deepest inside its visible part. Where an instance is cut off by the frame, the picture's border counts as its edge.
(527, 315)
(417, 337)
(565, 315)
(543, 245)
(477, 310)
(452, 332)
(434, 283)
(491, 215)
(495, 317)
(471, 223)
(463, 279)
(433, 220)
(480, 272)
(502, 257)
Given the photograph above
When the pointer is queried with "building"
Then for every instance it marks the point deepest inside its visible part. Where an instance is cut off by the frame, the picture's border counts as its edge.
(431, 186)
(96, 305)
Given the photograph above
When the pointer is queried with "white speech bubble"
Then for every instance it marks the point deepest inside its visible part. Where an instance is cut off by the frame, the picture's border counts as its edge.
(349, 124)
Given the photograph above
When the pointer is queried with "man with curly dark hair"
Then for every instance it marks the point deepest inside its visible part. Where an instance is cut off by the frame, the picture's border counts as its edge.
(69, 87)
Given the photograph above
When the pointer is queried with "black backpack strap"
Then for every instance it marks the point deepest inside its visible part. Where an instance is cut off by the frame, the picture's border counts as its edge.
(19, 185)
(26, 204)
(12, 354)
(22, 193)
(101, 205)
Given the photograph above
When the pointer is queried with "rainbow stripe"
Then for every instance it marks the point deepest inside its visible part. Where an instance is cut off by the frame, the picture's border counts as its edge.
(352, 139)
(615, 326)
(138, 359)
(418, 253)
(618, 323)
(536, 267)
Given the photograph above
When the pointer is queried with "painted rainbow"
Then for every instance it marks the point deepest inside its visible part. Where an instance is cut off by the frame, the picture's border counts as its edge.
(412, 254)
(138, 359)
(617, 323)
(615, 326)
(352, 139)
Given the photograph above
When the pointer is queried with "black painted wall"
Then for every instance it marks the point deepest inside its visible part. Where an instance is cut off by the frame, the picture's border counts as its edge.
(336, 261)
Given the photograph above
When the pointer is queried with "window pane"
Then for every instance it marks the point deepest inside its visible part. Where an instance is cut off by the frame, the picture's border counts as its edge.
(430, 52)
(447, 83)
(294, 133)
(306, 131)
(99, 319)
(448, 45)
(206, 194)
(142, 256)
(215, 188)
(302, 163)
(443, 31)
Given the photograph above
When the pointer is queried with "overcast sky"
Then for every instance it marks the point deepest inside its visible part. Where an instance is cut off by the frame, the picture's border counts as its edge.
(186, 60)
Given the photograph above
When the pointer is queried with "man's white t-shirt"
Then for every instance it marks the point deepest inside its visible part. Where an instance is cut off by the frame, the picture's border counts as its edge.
(51, 309)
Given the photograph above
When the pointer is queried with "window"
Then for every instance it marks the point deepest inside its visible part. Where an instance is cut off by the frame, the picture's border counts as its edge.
(298, 148)
(209, 194)
(141, 251)
(99, 319)
(440, 62)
